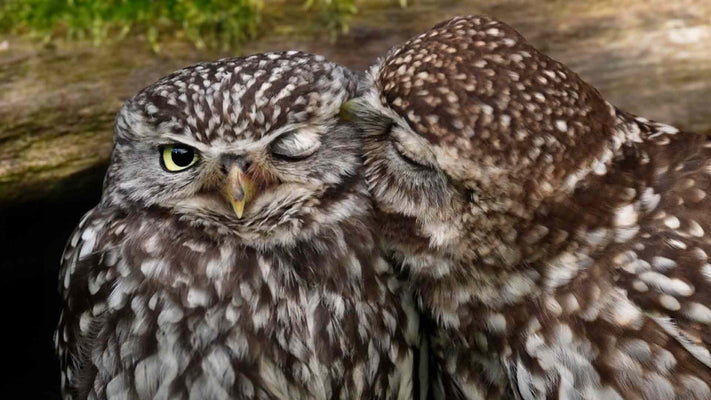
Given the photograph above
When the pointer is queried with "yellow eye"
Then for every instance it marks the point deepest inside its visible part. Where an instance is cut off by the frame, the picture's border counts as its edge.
(178, 157)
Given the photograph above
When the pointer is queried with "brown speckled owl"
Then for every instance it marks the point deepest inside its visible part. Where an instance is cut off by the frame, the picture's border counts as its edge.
(557, 244)
(232, 255)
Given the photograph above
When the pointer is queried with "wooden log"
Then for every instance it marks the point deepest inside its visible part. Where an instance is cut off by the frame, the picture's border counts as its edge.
(57, 104)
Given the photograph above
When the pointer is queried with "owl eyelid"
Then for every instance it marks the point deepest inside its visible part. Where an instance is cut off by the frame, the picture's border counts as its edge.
(177, 145)
(295, 150)
(399, 149)
(405, 154)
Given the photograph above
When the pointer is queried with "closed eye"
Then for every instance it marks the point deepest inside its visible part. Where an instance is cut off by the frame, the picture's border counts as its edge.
(296, 145)
(405, 155)
(406, 147)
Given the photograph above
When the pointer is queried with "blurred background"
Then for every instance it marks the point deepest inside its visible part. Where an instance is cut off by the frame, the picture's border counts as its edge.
(67, 65)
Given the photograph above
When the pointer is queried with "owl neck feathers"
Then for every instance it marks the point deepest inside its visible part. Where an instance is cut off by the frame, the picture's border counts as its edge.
(327, 260)
(318, 239)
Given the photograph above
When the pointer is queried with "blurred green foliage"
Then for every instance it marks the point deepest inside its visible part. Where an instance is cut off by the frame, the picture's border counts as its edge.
(207, 23)
(336, 13)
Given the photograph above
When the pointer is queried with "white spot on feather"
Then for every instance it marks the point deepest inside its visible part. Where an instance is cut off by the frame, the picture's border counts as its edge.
(88, 238)
(663, 263)
(649, 199)
(695, 229)
(626, 216)
(698, 312)
(197, 298)
(677, 244)
(672, 222)
(640, 286)
(561, 125)
(85, 322)
(673, 286)
(627, 314)
(496, 322)
(669, 302)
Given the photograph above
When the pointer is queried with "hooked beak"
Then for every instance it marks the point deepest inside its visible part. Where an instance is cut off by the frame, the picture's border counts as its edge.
(239, 189)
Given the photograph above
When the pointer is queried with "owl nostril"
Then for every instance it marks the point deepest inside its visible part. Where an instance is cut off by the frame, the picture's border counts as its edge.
(229, 160)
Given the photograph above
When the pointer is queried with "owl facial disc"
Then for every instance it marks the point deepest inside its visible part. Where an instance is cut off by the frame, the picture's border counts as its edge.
(239, 189)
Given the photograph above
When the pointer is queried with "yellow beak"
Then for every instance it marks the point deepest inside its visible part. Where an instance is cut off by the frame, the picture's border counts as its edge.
(239, 190)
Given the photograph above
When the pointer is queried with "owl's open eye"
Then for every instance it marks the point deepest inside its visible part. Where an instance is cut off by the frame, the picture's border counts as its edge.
(409, 148)
(296, 145)
(177, 157)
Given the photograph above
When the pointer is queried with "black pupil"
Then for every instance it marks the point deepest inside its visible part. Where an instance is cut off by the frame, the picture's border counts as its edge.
(182, 157)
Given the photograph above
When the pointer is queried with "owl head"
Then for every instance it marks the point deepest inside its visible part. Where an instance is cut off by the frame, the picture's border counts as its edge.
(248, 146)
(469, 131)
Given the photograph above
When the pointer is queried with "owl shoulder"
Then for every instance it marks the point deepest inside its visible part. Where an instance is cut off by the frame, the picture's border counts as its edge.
(665, 270)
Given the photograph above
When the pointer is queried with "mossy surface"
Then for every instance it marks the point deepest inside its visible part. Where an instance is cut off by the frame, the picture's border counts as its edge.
(215, 23)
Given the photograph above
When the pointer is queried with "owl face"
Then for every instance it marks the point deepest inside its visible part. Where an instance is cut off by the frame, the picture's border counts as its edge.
(468, 131)
(240, 144)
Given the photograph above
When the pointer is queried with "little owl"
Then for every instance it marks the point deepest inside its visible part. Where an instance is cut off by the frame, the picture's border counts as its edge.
(557, 244)
(232, 255)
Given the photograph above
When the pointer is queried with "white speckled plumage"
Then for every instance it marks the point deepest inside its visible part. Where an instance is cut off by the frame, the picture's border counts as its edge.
(169, 295)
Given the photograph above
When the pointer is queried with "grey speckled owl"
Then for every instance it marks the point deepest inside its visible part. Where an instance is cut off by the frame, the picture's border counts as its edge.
(558, 245)
(232, 255)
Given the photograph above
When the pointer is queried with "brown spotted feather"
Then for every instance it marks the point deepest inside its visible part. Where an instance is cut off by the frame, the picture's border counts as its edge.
(558, 245)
